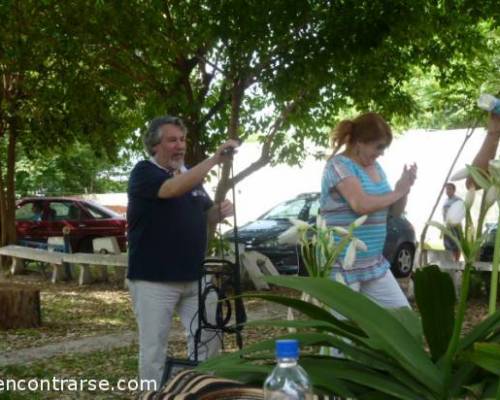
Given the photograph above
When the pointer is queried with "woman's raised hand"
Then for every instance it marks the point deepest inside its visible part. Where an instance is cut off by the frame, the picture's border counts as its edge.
(407, 179)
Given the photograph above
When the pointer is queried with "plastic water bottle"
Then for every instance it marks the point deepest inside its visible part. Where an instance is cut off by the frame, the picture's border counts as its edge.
(288, 381)
(489, 103)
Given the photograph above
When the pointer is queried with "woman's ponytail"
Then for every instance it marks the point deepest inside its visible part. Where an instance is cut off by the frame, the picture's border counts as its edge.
(342, 134)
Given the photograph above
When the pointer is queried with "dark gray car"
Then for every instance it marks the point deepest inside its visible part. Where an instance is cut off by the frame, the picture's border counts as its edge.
(262, 235)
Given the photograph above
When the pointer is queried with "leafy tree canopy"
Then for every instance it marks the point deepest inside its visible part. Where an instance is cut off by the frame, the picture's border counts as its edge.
(233, 67)
(76, 170)
(92, 71)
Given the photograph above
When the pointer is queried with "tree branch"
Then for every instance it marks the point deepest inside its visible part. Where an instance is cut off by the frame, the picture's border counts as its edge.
(223, 99)
(265, 155)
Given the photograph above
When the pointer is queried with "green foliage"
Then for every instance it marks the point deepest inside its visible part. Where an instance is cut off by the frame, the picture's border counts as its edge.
(201, 59)
(93, 72)
(446, 99)
(53, 95)
(74, 171)
(487, 356)
(435, 296)
(383, 355)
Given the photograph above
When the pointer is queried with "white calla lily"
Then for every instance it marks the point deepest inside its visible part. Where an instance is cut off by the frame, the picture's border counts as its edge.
(456, 213)
(292, 235)
(320, 222)
(491, 196)
(494, 164)
(459, 175)
(299, 224)
(360, 245)
(494, 168)
(469, 198)
(350, 256)
(340, 230)
(360, 221)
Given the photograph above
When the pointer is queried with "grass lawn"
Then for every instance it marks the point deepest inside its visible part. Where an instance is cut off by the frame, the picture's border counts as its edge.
(71, 311)
(111, 366)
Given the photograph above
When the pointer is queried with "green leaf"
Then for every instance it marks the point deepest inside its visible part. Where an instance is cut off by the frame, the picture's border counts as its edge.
(481, 331)
(435, 297)
(310, 310)
(374, 395)
(324, 369)
(476, 389)
(461, 376)
(487, 356)
(387, 333)
(410, 321)
(491, 389)
(230, 365)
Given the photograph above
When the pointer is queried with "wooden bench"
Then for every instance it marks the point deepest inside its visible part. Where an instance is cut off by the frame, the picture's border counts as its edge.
(57, 261)
(86, 260)
(21, 253)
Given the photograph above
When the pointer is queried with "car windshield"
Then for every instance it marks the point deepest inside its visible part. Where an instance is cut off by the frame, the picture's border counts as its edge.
(289, 209)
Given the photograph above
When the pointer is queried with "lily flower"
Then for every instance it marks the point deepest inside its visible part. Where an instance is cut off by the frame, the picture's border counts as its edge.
(360, 245)
(360, 221)
(459, 175)
(456, 213)
(494, 168)
(491, 196)
(293, 234)
(469, 198)
(320, 222)
(350, 256)
(340, 230)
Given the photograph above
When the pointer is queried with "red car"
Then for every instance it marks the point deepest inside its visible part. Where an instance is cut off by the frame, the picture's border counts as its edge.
(38, 218)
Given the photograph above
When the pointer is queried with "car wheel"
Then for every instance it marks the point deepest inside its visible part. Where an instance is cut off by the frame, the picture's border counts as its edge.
(402, 264)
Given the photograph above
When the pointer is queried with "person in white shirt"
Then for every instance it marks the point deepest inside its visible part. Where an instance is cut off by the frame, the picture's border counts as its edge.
(449, 244)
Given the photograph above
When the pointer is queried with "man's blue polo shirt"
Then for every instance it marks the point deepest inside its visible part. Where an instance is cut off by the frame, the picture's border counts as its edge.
(167, 238)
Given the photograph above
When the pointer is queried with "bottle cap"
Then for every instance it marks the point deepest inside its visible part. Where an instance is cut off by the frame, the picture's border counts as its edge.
(287, 348)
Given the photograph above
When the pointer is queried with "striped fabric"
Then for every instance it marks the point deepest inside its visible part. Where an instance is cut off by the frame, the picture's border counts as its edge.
(192, 385)
(336, 211)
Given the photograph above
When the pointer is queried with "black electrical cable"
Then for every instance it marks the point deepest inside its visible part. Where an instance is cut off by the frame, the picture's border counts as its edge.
(221, 319)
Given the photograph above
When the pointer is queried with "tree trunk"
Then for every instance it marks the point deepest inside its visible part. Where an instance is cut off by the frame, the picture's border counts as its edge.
(10, 224)
(3, 206)
(19, 307)
(7, 188)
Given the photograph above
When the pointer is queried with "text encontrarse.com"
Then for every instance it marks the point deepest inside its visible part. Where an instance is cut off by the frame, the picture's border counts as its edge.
(56, 384)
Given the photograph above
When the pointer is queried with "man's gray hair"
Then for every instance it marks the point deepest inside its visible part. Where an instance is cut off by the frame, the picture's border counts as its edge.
(153, 133)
